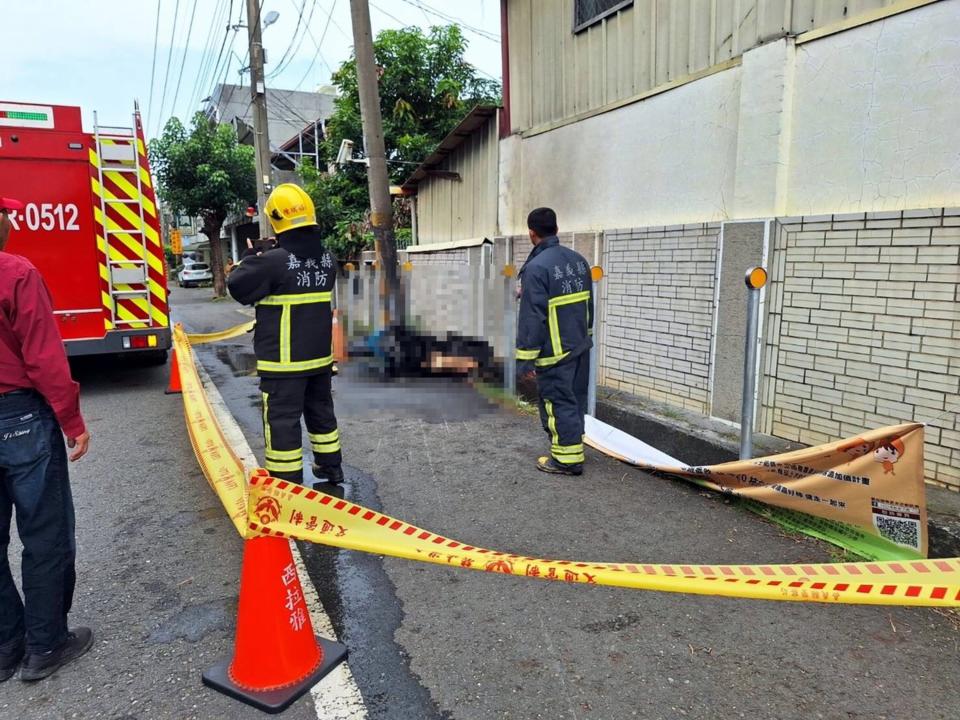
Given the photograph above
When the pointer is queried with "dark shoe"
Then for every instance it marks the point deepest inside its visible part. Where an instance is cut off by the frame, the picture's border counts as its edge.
(549, 465)
(37, 666)
(10, 660)
(331, 473)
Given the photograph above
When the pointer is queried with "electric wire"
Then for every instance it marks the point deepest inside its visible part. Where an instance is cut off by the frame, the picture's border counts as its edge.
(392, 17)
(223, 57)
(319, 45)
(153, 65)
(183, 61)
(163, 95)
(291, 52)
(453, 19)
(206, 59)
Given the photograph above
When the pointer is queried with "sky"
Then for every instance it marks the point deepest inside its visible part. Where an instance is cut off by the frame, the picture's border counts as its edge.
(101, 57)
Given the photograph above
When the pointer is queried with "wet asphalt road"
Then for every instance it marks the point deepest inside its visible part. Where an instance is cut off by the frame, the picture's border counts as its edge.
(159, 562)
(429, 641)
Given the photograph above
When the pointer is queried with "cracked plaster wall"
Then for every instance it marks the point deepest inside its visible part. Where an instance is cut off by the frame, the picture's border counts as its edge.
(876, 117)
(650, 163)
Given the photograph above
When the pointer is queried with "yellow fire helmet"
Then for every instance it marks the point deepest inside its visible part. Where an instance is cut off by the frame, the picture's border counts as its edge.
(288, 207)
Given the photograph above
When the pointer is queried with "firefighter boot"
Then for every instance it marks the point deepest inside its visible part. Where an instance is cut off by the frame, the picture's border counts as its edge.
(333, 474)
(37, 666)
(10, 657)
(549, 465)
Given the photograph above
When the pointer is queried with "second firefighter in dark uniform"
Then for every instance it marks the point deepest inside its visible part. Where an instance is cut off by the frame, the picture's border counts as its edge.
(291, 287)
(554, 331)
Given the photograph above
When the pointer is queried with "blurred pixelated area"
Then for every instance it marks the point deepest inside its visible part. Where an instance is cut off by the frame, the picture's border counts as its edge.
(401, 351)
(457, 322)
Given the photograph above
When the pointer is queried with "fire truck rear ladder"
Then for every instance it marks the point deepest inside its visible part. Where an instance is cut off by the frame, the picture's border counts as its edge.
(123, 157)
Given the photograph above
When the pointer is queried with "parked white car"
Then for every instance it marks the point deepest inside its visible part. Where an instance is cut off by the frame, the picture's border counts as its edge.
(194, 274)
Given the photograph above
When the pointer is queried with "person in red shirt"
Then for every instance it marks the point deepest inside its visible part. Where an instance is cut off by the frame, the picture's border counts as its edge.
(39, 404)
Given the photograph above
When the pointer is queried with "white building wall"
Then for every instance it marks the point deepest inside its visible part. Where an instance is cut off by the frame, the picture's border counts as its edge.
(876, 116)
(650, 163)
(864, 120)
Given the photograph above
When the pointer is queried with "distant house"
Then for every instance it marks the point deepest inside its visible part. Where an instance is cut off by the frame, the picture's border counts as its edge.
(295, 126)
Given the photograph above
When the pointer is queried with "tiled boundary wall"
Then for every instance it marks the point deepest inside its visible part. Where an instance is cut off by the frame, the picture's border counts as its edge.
(864, 330)
(659, 312)
(861, 326)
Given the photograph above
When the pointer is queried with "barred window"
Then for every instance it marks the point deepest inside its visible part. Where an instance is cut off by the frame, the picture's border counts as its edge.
(587, 12)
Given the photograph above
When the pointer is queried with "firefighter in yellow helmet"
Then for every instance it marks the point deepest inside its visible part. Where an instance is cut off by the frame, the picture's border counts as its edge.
(291, 287)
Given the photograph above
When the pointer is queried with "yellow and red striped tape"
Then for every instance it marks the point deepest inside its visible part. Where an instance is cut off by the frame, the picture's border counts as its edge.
(266, 506)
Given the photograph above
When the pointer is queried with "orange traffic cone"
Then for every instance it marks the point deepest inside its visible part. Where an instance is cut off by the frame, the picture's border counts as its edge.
(276, 657)
(173, 387)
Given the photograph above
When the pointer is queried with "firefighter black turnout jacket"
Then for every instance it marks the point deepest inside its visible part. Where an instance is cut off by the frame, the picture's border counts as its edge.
(291, 287)
(556, 305)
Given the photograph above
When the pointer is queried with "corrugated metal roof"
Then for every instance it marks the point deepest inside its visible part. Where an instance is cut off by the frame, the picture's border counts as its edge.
(474, 119)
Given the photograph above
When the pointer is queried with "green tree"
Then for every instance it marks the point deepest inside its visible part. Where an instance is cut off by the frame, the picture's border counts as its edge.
(426, 88)
(204, 173)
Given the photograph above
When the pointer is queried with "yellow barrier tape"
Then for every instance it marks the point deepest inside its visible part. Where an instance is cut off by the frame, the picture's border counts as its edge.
(228, 334)
(220, 464)
(284, 509)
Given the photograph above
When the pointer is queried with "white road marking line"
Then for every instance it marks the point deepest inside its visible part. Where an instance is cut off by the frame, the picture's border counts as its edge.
(337, 696)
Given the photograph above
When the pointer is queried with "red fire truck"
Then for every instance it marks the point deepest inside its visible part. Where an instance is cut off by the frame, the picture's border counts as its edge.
(90, 225)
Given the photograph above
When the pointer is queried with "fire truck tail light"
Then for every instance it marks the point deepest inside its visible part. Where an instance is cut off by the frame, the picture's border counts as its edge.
(137, 342)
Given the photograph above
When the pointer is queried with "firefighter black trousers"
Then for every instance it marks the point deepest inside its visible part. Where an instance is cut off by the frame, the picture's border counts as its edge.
(285, 400)
(563, 403)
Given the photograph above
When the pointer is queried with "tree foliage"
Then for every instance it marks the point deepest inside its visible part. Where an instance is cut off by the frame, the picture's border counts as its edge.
(426, 88)
(204, 173)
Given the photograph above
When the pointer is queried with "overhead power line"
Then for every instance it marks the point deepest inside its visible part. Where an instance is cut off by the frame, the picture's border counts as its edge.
(392, 17)
(319, 45)
(288, 56)
(206, 59)
(221, 56)
(183, 61)
(453, 19)
(153, 65)
(166, 78)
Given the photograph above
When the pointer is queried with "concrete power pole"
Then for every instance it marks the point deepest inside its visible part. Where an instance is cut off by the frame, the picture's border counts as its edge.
(378, 181)
(258, 95)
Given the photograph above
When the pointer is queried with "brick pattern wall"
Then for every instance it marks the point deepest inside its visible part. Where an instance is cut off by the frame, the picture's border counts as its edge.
(658, 321)
(863, 330)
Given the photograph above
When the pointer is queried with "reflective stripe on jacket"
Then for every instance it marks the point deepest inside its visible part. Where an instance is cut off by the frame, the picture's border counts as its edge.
(293, 298)
(556, 305)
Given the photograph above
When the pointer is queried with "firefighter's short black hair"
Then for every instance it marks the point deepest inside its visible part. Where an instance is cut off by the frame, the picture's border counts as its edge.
(543, 221)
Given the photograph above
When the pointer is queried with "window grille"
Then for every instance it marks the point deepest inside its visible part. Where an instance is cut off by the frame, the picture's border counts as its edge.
(587, 12)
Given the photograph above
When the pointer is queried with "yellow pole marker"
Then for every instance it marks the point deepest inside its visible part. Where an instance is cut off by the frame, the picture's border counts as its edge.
(407, 266)
(509, 270)
(756, 278)
(596, 272)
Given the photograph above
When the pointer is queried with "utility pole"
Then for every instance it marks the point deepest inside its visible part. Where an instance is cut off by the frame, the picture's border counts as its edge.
(378, 181)
(258, 96)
